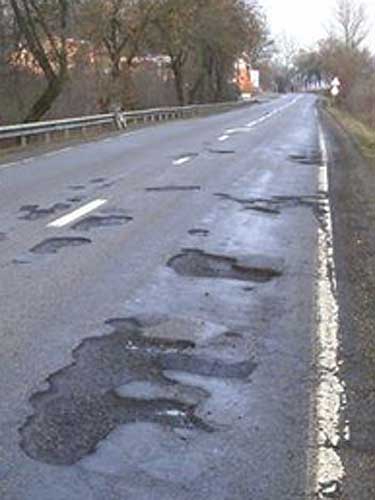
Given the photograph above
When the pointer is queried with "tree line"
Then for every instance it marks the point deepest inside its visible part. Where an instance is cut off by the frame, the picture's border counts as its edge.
(78, 56)
(343, 54)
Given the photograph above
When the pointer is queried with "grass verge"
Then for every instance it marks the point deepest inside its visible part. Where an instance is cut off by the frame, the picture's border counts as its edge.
(363, 135)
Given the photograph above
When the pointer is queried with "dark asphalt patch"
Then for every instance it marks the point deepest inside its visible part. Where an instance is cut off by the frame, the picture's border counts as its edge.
(81, 405)
(173, 188)
(77, 187)
(198, 264)
(96, 221)
(199, 232)
(53, 245)
(34, 212)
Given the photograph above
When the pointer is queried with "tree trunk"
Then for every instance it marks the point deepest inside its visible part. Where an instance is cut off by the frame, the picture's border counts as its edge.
(179, 83)
(45, 101)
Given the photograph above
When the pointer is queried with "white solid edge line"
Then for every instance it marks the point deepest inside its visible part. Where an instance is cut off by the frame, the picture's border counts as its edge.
(330, 397)
(80, 212)
(181, 161)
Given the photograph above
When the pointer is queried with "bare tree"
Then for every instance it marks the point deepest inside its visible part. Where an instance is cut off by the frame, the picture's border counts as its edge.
(116, 28)
(43, 25)
(351, 23)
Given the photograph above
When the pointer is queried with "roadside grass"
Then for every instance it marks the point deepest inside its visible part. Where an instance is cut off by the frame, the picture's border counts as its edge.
(363, 135)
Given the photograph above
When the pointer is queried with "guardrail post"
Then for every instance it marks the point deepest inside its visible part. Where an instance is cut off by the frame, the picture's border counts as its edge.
(48, 138)
(23, 141)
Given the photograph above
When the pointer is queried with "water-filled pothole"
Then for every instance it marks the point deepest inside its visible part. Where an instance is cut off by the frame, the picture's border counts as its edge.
(53, 245)
(173, 188)
(84, 403)
(96, 221)
(34, 212)
(198, 264)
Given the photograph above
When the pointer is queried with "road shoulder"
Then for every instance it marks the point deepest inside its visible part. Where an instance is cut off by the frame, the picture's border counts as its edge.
(352, 178)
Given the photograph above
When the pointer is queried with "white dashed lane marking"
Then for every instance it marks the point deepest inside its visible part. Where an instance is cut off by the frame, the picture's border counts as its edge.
(77, 214)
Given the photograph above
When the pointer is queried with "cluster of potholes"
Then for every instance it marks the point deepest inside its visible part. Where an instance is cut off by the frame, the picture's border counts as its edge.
(275, 204)
(88, 399)
(35, 212)
(127, 376)
(53, 245)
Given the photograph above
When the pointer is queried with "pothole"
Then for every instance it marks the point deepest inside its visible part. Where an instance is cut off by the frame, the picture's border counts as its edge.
(118, 379)
(77, 187)
(3, 236)
(307, 158)
(106, 185)
(221, 151)
(185, 155)
(34, 212)
(173, 188)
(257, 204)
(98, 180)
(76, 199)
(54, 245)
(264, 209)
(198, 264)
(199, 232)
(96, 221)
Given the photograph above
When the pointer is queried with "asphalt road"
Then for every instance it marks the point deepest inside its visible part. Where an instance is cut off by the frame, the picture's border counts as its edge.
(168, 314)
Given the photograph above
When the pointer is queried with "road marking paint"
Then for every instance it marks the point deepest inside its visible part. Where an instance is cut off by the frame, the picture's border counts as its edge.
(270, 114)
(181, 161)
(330, 397)
(77, 214)
(223, 138)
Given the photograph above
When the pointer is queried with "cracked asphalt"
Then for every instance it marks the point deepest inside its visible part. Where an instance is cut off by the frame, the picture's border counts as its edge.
(158, 312)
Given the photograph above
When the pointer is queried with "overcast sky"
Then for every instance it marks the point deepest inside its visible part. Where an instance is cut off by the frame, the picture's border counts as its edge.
(305, 20)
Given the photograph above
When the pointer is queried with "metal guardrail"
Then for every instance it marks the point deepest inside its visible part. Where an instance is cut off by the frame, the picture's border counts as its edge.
(118, 120)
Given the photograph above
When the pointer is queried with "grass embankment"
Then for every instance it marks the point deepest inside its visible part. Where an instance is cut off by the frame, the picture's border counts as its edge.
(363, 135)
